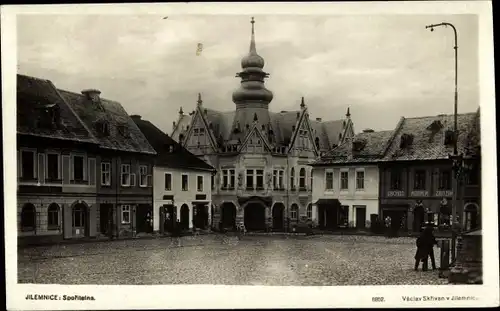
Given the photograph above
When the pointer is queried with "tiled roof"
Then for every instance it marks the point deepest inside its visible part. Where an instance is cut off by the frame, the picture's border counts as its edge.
(34, 95)
(428, 144)
(374, 145)
(178, 157)
(116, 117)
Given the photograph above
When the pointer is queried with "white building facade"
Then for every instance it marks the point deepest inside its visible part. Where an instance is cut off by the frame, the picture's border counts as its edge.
(346, 191)
(261, 157)
(182, 184)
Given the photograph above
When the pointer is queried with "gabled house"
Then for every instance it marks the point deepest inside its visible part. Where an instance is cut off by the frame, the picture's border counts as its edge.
(416, 175)
(262, 158)
(56, 166)
(346, 182)
(182, 183)
(124, 165)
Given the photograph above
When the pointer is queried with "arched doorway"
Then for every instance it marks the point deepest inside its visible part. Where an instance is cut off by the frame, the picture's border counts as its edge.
(200, 216)
(228, 215)
(471, 216)
(80, 220)
(255, 216)
(168, 217)
(212, 213)
(184, 217)
(278, 216)
(28, 218)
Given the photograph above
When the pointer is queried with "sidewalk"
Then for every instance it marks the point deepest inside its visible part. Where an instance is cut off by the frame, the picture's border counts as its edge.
(103, 238)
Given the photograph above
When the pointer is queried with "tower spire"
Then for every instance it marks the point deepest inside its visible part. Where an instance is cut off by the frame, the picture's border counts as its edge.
(252, 40)
(348, 114)
(199, 101)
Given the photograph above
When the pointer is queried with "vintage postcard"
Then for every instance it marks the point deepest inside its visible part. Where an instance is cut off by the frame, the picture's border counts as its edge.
(249, 155)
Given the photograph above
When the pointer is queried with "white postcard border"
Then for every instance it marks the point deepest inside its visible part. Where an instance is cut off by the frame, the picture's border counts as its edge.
(211, 297)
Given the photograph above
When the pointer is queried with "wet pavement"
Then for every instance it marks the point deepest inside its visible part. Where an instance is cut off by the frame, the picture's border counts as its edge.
(220, 259)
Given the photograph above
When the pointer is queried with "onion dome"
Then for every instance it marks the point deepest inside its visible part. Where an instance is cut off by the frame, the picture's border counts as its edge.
(252, 76)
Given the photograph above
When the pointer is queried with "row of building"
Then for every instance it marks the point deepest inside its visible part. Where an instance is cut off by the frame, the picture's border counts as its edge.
(88, 169)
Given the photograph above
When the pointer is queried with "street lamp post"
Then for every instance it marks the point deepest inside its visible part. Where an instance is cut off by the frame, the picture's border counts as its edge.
(457, 159)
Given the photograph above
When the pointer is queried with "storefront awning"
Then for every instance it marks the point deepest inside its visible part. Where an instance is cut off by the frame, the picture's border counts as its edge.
(334, 202)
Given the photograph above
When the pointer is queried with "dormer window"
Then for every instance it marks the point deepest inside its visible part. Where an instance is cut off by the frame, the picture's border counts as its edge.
(406, 141)
(449, 138)
(181, 137)
(49, 116)
(123, 130)
(316, 142)
(103, 128)
(358, 145)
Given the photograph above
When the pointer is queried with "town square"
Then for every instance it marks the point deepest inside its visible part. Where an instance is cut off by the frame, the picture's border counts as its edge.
(154, 150)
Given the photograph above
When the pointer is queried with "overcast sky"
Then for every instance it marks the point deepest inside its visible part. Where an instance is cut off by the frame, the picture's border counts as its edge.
(382, 67)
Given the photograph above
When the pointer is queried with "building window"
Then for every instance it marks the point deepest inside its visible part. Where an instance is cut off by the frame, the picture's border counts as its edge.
(419, 183)
(260, 179)
(52, 166)
(311, 180)
(105, 173)
(225, 179)
(444, 182)
(344, 180)
(185, 182)
(228, 178)
(125, 175)
(309, 212)
(125, 214)
(302, 179)
(281, 175)
(212, 181)
(168, 181)
(292, 179)
(275, 179)
(360, 180)
(28, 218)
(232, 178)
(473, 175)
(396, 183)
(28, 165)
(294, 212)
(329, 180)
(143, 176)
(249, 179)
(199, 183)
(53, 217)
(78, 167)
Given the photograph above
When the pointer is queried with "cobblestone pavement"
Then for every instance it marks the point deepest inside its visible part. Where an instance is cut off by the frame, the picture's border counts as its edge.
(219, 259)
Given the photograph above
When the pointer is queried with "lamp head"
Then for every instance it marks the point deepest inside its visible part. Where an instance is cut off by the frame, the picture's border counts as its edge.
(432, 28)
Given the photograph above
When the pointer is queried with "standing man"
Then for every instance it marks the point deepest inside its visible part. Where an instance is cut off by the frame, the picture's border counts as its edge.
(388, 226)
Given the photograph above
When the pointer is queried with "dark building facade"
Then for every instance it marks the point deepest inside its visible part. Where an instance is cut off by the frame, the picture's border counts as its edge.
(416, 175)
(76, 153)
(56, 166)
(124, 165)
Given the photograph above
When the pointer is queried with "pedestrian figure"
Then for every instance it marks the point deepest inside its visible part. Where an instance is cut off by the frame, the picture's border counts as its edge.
(388, 226)
(425, 248)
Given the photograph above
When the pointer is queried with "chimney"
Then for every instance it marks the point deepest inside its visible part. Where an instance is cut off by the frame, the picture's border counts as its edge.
(136, 117)
(368, 131)
(92, 94)
(318, 119)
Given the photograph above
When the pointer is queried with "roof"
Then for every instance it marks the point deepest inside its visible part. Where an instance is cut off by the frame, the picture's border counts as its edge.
(35, 95)
(374, 145)
(428, 144)
(116, 117)
(177, 157)
(282, 123)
